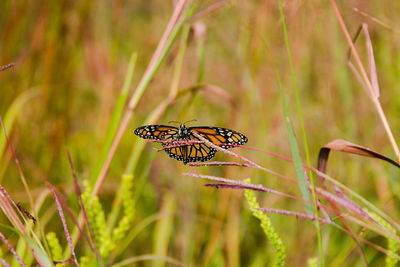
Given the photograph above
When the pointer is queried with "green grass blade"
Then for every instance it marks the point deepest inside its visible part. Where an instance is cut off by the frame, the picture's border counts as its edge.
(293, 143)
(296, 154)
(163, 228)
(12, 113)
(116, 116)
(140, 144)
(41, 253)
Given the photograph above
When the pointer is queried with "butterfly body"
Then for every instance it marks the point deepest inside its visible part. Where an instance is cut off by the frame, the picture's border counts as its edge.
(222, 137)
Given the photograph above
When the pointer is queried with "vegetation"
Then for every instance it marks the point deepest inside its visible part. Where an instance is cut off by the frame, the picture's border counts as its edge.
(78, 187)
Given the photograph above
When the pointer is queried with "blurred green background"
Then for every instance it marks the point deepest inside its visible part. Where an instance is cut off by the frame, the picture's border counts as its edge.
(70, 64)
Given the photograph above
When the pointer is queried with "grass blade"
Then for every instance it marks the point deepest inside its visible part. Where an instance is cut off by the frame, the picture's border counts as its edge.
(115, 119)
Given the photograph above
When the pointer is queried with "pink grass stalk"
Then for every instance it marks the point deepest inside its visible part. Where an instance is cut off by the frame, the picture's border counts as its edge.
(10, 247)
(6, 201)
(6, 66)
(4, 263)
(250, 163)
(354, 205)
(295, 214)
(311, 217)
(240, 184)
(134, 100)
(371, 62)
(14, 154)
(85, 216)
(350, 205)
(234, 185)
(61, 213)
(218, 163)
(367, 81)
(344, 203)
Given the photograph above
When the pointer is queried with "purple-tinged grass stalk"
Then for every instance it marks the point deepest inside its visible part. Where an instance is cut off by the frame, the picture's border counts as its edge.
(2, 68)
(359, 197)
(369, 86)
(240, 184)
(218, 163)
(267, 226)
(171, 32)
(174, 94)
(345, 203)
(4, 263)
(14, 154)
(7, 203)
(84, 213)
(64, 223)
(327, 220)
(11, 248)
(295, 214)
(234, 184)
(350, 206)
(324, 176)
(76, 223)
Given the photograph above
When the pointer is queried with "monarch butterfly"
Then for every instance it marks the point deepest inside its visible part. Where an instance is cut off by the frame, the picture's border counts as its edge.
(222, 137)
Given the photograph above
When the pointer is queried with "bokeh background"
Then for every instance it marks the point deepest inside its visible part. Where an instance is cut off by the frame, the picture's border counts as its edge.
(71, 59)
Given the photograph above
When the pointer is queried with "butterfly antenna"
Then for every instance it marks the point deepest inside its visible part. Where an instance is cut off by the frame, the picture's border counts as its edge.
(189, 121)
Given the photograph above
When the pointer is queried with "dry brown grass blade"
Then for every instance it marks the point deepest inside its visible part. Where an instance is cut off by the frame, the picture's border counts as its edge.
(371, 61)
(348, 147)
(366, 79)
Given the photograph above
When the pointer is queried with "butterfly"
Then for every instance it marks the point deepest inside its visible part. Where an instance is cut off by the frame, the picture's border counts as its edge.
(221, 137)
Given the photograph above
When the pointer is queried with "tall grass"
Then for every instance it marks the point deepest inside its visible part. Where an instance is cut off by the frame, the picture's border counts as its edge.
(87, 74)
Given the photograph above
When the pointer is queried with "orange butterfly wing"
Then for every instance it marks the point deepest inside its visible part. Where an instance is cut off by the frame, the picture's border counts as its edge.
(222, 137)
(157, 132)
